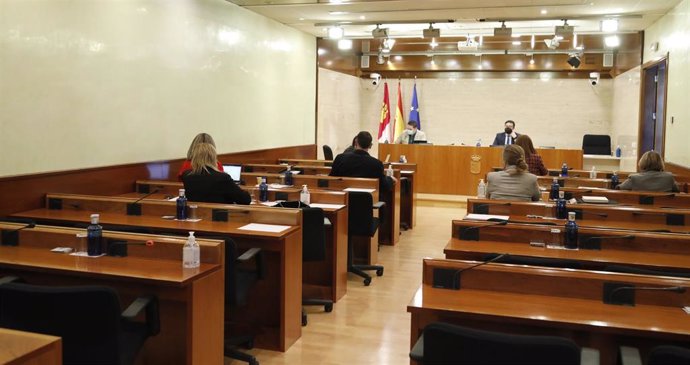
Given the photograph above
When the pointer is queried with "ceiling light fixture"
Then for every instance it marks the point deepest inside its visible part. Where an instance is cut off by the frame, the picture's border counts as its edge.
(531, 61)
(565, 29)
(431, 32)
(336, 32)
(433, 43)
(612, 41)
(481, 39)
(544, 11)
(379, 32)
(609, 25)
(531, 42)
(503, 31)
(574, 60)
(553, 43)
(574, 40)
(388, 44)
(345, 44)
(379, 59)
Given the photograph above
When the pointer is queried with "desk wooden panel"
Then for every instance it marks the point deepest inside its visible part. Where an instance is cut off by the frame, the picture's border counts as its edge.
(191, 309)
(561, 302)
(302, 161)
(26, 348)
(592, 215)
(278, 327)
(574, 182)
(641, 198)
(446, 169)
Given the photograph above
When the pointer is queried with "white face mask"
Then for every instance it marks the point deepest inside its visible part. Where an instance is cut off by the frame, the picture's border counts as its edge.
(409, 132)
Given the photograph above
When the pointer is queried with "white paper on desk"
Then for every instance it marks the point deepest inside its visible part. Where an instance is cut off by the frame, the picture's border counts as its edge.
(486, 217)
(270, 204)
(326, 206)
(278, 186)
(85, 254)
(173, 199)
(360, 190)
(406, 172)
(595, 199)
(273, 228)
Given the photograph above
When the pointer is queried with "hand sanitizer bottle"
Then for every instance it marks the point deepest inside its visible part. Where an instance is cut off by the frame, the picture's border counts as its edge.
(389, 171)
(304, 195)
(190, 253)
(481, 189)
(593, 173)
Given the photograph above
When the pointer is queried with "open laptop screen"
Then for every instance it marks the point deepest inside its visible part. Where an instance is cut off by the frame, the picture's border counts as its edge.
(234, 171)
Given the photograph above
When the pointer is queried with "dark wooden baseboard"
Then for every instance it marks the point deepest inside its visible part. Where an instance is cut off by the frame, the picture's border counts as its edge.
(19, 193)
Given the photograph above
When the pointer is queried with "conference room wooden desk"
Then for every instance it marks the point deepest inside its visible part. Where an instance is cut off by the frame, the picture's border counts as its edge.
(302, 161)
(325, 279)
(574, 182)
(458, 169)
(26, 348)
(597, 248)
(549, 301)
(588, 215)
(191, 308)
(274, 305)
(642, 198)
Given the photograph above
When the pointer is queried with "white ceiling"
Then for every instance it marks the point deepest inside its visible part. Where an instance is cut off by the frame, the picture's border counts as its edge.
(360, 17)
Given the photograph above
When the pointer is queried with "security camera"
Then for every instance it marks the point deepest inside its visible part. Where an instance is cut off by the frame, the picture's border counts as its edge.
(376, 78)
(594, 78)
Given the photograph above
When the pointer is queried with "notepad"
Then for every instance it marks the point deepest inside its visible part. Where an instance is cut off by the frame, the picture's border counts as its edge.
(326, 206)
(272, 228)
(486, 217)
(595, 199)
(359, 190)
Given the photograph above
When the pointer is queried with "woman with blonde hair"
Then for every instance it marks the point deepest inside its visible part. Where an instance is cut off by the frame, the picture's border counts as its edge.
(534, 161)
(514, 182)
(204, 183)
(187, 164)
(652, 176)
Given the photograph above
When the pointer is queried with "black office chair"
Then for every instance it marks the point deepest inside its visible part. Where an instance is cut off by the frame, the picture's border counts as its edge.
(361, 222)
(596, 144)
(643, 271)
(314, 249)
(88, 318)
(238, 281)
(535, 261)
(443, 343)
(669, 355)
(327, 152)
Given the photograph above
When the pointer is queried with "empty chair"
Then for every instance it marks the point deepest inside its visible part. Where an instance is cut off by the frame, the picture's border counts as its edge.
(596, 144)
(239, 279)
(314, 249)
(327, 152)
(443, 343)
(88, 318)
(361, 222)
(669, 355)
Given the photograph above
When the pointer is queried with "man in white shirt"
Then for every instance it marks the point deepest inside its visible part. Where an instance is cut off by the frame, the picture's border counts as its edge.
(411, 134)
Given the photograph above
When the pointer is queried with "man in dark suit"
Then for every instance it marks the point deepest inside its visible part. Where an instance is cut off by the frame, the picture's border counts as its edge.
(506, 137)
(359, 163)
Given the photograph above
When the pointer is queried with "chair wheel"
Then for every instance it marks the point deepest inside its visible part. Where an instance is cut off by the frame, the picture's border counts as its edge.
(379, 272)
(328, 308)
(304, 320)
(367, 281)
(254, 362)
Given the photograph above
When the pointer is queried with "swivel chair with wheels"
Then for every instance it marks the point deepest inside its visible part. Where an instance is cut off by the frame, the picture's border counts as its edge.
(361, 222)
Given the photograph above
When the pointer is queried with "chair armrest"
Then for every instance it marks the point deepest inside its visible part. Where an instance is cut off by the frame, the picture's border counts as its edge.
(254, 253)
(249, 254)
(417, 352)
(150, 304)
(379, 205)
(629, 356)
(589, 356)
(8, 279)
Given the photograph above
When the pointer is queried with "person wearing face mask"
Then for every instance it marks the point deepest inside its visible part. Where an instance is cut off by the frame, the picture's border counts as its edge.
(411, 134)
(508, 136)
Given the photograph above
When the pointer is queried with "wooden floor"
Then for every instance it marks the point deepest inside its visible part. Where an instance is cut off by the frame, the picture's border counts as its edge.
(370, 325)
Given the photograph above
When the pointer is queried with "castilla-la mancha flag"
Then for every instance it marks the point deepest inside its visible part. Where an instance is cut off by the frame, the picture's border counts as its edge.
(385, 122)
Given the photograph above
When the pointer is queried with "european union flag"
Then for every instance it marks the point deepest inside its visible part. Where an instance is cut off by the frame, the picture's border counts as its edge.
(414, 110)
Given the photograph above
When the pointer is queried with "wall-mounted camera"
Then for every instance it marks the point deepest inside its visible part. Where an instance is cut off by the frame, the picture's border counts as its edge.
(375, 78)
(594, 78)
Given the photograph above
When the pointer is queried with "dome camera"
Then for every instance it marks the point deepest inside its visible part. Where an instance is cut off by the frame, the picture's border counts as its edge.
(375, 79)
(594, 78)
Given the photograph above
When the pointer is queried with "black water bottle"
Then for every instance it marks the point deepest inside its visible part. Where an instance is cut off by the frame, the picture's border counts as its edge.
(555, 188)
(288, 177)
(181, 206)
(263, 190)
(561, 210)
(571, 232)
(564, 170)
(94, 237)
(614, 180)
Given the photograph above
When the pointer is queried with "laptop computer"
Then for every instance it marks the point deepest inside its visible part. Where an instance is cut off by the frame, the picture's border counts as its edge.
(234, 171)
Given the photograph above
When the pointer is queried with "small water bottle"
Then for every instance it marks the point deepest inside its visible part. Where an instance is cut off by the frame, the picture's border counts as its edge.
(389, 171)
(571, 232)
(618, 151)
(593, 173)
(564, 170)
(94, 237)
(288, 176)
(263, 190)
(614, 180)
(481, 190)
(479, 142)
(304, 197)
(190, 253)
(555, 188)
(561, 211)
(181, 206)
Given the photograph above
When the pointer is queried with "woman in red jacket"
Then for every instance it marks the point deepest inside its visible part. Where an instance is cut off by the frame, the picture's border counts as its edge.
(187, 164)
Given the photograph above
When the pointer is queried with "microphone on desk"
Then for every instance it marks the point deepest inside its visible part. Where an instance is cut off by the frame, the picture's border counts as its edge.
(450, 279)
(483, 208)
(221, 215)
(594, 242)
(135, 208)
(119, 247)
(615, 293)
(11, 237)
(472, 233)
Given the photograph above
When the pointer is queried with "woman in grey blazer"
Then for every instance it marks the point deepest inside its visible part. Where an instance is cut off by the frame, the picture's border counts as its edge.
(514, 182)
(652, 176)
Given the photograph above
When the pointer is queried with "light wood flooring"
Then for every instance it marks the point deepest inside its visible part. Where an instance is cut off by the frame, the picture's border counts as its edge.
(370, 325)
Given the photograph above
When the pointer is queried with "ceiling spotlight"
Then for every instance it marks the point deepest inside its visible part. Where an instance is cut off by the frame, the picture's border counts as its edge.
(531, 61)
(574, 60)
(335, 32)
(379, 32)
(574, 40)
(531, 42)
(553, 43)
(379, 59)
(345, 44)
(544, 11)
(433, 43)
(503, 31)
(609, 25)
(388, 44)
(481, 39)
(432, 32)
(564, 30)
(612, 41)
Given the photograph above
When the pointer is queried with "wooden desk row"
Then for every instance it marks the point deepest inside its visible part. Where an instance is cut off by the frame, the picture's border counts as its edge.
(644, 198)
(191, 310)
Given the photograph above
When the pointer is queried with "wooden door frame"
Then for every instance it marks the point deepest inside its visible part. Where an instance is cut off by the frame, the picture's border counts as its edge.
(640, 126)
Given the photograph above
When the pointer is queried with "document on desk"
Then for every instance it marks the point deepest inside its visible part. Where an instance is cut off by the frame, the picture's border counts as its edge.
(272, 228)
(326, 206)
(486, 217)
(406, 172)
(359, 190)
